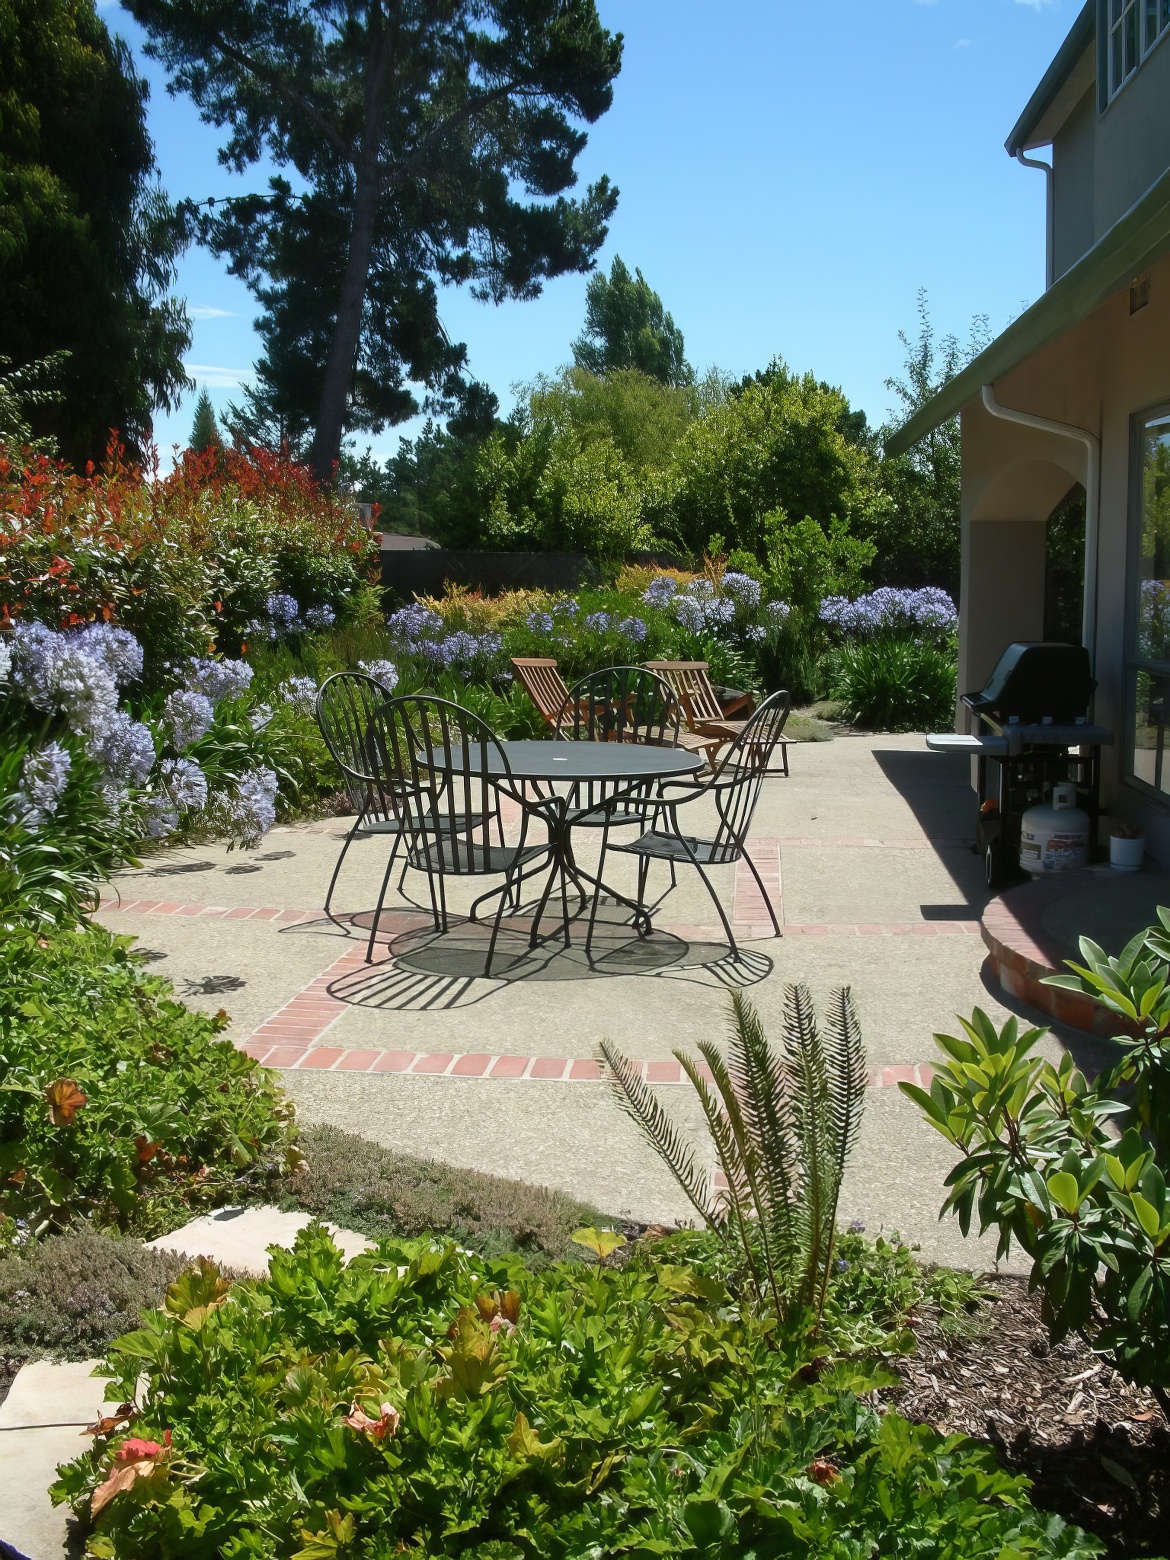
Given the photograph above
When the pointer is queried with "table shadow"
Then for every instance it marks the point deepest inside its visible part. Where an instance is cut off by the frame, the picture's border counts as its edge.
(429, 969)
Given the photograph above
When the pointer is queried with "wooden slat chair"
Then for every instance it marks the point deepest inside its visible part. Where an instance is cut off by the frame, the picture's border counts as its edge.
(543, 684)
(704, 715)
(540, 679)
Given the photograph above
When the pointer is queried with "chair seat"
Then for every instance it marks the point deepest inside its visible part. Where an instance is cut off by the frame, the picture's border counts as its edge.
(674, 847)
(729, 730)
(463, 860)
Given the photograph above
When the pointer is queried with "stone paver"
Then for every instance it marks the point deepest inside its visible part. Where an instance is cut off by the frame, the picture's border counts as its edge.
(42, 1423)
(865, 854)
(239, 1238)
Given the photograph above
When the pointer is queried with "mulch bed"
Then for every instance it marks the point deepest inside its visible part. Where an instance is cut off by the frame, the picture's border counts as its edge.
(1096, 1449)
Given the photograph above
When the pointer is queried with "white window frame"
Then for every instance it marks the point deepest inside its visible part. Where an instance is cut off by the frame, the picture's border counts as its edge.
(1152, 21)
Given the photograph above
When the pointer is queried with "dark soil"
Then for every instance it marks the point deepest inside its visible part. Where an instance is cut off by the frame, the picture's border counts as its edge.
(1096, 1449)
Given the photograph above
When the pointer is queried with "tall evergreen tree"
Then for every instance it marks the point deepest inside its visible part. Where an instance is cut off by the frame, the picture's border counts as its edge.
(412, 126)
(626, 326)
(88, 242)
(205, 433)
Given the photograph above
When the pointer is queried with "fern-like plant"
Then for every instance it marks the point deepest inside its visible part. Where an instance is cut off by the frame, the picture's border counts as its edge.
(783, 1125)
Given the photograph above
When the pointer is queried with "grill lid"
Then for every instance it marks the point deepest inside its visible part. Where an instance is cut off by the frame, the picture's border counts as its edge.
(1037, 680)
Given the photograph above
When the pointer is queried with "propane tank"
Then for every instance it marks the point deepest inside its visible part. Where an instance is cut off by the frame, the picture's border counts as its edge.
(1054, 837)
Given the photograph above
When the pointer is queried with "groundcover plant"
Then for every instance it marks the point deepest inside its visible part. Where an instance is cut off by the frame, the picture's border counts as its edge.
(425, 1401)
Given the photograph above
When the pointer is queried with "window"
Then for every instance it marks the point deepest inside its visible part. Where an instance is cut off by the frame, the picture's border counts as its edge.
(1134, 28)
(1149, 636)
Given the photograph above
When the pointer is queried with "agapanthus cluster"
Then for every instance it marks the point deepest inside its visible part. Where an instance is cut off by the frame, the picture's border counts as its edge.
(599, 622)
(632, 628)
(5, 661)
(382, 671)
(117, 650)
(777, 612)
(463, 651)
(218, 680)
(567, 607)
(701, 610)
(189, 716)
(540, 622)
(322, 616)
(282, 608)
(743, 590)
(300, 693)
(58, 674)
(250, 808)
(185, 783)
(660, 591)
(125, 750)
(43, 778)
(890, 609)
(414, 625)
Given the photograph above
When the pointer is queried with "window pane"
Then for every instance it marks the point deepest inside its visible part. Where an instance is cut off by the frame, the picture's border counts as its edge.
(1115, 8)
(1151, 28)
(1151, 707)
(1153, 617)
(1115, 59)
(1163, 15)
(1132, 52)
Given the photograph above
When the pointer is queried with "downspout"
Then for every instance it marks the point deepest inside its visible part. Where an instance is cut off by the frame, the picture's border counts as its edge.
(1092, 502)
(1050, 214)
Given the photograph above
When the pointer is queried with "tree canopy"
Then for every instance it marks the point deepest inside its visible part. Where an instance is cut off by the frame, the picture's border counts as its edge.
(626, 326)
(421, 142)
(88, 242)
(205, 434)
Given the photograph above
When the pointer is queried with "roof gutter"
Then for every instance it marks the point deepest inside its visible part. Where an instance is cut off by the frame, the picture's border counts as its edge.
(1092, 446)
(1049, 213)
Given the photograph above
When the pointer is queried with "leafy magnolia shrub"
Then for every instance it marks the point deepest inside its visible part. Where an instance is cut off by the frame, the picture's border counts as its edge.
(117, 1103)
(350, 1181)
(72, 1294)
(1073, 1172)
(895, 666)
(426, 1401)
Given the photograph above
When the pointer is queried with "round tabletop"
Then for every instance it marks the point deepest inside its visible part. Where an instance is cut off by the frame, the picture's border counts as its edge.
(578, 761)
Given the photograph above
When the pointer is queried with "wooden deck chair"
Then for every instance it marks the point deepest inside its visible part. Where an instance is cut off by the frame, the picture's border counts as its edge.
(704, 715)
(543, 684)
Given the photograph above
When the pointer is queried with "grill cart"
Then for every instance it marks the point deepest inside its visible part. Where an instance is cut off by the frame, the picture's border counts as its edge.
(1031, 731)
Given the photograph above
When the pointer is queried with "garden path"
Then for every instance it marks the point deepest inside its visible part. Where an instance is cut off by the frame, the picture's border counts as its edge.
(865, 849)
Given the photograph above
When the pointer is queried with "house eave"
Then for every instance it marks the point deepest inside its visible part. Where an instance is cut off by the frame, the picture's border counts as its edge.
(1061, 87)
(1130, 247)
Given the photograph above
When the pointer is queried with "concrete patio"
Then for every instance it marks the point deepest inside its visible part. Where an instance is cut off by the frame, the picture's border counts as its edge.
(866, 853)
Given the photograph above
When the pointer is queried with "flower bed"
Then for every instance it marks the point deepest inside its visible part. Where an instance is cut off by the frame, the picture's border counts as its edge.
(422, 1400)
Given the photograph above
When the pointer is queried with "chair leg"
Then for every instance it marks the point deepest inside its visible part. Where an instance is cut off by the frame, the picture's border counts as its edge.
(378, 908)
(596, 896)
(505, 897)
(707, 884)
(349, 839)
(763, 891)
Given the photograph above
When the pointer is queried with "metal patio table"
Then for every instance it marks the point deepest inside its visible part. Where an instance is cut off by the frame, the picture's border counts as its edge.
(623, 768)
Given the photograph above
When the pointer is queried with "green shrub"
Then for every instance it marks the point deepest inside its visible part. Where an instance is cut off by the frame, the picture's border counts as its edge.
(349, 1181)
(117, 1103)
(894, 684)
(71, 1295)
(425, 1401)
(1075, 1173)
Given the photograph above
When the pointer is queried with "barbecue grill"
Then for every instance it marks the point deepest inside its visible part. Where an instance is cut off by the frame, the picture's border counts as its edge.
(1030, 731)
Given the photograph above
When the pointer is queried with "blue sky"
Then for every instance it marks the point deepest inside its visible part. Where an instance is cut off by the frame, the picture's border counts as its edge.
(790, 174)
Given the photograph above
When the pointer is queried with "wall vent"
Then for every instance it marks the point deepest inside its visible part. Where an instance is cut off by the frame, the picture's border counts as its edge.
(1139, 294)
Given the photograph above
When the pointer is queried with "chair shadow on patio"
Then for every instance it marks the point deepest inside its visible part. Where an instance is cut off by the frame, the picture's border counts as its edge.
(425, 968)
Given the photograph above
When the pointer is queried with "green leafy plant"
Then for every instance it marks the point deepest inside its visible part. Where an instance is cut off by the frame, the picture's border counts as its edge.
(117, 1103)
(894, 684)
(422, 1400)
(1073, 1172)
(783, 1127)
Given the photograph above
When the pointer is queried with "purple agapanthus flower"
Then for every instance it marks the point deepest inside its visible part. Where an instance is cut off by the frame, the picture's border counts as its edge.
(116, 648)
(599, 622)
(43, 778)
(250, 810)
(540, 622)
(126, 750)
(322, 616)
(660, 591)
(282, 608)
(58, 674)
(384, 672)
(300, 693)
(218, 680)
(189, 716)
(632, 628)
(743, 589)
(185, 783)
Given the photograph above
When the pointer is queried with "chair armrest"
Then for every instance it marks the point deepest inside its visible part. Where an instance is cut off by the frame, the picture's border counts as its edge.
(731, 699)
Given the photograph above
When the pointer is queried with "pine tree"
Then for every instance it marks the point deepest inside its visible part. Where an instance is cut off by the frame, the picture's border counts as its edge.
(205, 433)
(626, 326)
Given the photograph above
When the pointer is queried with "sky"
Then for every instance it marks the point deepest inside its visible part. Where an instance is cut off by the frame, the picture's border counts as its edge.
(791, 172)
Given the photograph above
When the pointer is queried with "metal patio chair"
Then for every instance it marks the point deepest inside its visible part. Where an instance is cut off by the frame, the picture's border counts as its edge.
(457, 768)
(344, 707)
(702, 711)
(616, 704)
(735, 789)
